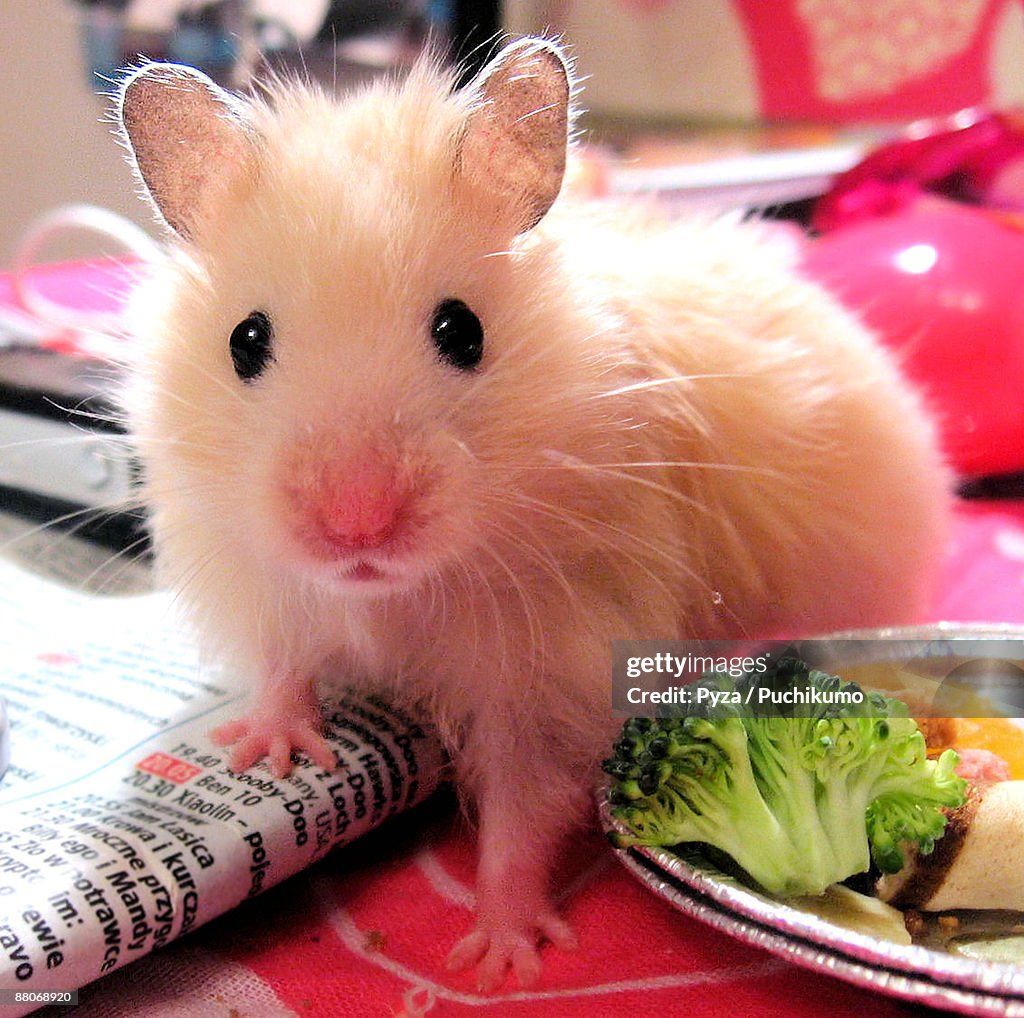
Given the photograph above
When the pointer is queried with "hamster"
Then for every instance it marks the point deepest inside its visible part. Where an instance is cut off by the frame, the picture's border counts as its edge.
(410, 417)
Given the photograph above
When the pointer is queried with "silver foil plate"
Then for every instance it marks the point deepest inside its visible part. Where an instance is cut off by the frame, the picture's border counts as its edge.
(920, 974)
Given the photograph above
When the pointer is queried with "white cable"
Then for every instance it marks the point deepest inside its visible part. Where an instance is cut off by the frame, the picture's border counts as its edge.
(133, 238)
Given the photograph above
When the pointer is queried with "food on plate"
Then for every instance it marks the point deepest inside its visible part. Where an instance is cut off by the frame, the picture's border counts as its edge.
(998, 736)
(981, 765)
(860, 913)
(799, 795)
(979, 862)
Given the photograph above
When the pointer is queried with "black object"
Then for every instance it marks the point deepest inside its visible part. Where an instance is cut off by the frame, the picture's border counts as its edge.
(44, 383)
(993, 486)
(474, 35)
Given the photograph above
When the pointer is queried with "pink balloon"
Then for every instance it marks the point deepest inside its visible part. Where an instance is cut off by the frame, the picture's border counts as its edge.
(943, 284)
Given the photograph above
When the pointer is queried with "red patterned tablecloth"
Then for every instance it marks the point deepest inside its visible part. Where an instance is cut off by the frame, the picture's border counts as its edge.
(365, 933)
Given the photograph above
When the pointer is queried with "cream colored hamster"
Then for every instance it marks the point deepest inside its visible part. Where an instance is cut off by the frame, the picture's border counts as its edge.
(409, 417)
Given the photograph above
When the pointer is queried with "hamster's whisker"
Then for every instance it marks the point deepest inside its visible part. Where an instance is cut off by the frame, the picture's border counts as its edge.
(432, 589)
(51, 441)
(535, 629)
(261, 630)
(476, 577)
(546, 560)
(125, 558)
(280, 627)
(744, 468)
(306, 604)
(656, 383)
(187, 587)
(195, 363)
(439, 591)
(80, 413)
(509, 362)
(644, 482)
(535, 624)
(606, 534)
(153, 387)
(451, 582)
(577, 519)
(188, 590)
(466, 584)
(212, 498)
(79, 517)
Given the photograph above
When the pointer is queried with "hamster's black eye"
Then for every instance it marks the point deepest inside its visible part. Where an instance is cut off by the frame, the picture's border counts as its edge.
(457, 334)
(251, 341)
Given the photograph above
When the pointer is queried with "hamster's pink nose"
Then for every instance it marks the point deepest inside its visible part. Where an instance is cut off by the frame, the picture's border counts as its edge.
(361, 512)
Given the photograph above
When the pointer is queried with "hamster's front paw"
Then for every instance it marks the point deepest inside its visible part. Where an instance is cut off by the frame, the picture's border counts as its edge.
(273, 732)
(501, 942)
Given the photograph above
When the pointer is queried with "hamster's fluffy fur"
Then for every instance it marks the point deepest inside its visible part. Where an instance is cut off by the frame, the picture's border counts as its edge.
(670, 435)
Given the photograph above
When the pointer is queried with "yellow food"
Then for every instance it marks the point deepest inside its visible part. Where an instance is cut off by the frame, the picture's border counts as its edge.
(857, 912)
(998, 735)
(1002, 736)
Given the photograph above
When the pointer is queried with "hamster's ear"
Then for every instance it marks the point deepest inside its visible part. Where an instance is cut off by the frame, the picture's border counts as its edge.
(187, 137)
(516, 137)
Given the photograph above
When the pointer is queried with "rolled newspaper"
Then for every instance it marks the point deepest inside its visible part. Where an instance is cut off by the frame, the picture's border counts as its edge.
(121, 825)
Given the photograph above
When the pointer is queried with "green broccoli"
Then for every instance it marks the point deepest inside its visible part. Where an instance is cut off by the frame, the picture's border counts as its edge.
(800, 796)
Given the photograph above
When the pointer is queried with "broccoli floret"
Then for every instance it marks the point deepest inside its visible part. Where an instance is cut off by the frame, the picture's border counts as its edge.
(800, 795)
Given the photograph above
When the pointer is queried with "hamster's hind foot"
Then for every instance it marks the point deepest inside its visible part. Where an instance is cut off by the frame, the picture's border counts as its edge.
(502, 943)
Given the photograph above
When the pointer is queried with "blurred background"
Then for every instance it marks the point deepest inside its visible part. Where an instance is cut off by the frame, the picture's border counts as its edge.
(887, 137)
(58, 59)
(656, 70)
(53, 146)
